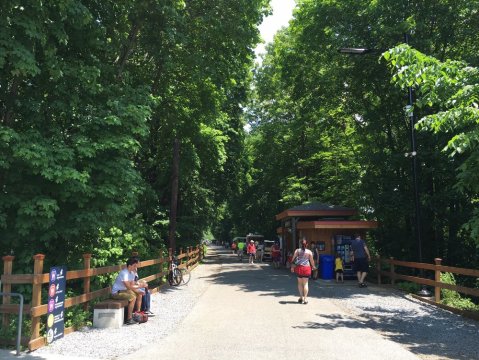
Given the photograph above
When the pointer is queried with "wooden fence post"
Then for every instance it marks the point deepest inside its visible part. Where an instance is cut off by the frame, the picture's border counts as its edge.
(188, 256)
(37, 293)
(391, 271)
(86, 279)
(378, 268)
(437, 289)
(7, 287)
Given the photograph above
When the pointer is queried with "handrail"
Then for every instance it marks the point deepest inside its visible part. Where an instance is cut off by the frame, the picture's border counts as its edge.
(437, 267)
(20, 317)
(36, 309)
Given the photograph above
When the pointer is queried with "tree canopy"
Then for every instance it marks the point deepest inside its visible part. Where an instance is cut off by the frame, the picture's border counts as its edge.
(93, 95)
(332, 127)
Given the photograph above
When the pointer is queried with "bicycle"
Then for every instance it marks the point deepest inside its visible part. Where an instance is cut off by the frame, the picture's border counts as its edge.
(175, 276)
(178, 276)
(185, 275)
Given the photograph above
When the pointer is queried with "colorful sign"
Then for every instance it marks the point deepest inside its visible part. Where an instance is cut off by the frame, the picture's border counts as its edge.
(56, 303)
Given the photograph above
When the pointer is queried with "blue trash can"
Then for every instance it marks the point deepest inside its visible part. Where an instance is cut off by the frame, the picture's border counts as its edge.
(327, 266)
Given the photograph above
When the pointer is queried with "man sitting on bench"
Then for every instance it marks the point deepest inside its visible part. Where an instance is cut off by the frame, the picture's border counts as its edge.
(124, 287)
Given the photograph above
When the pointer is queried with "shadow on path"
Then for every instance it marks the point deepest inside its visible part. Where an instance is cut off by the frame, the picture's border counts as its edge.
(425, 330)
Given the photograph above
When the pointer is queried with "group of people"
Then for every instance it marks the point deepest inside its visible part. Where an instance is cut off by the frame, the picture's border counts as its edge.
(303, 264)
(255, 251)
(127, 286)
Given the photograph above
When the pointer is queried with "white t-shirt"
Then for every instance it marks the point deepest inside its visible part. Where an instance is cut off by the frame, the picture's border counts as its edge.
(124, 275)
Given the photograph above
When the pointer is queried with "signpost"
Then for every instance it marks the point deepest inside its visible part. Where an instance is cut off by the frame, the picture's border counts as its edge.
(56, 303)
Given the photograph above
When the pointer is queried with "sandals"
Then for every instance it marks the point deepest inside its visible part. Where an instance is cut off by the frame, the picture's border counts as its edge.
(300, 300)
(305, 302)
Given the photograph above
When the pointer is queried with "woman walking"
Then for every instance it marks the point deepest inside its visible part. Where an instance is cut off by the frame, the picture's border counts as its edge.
(303, 263)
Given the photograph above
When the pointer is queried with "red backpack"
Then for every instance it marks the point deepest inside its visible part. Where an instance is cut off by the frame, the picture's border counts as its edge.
(140, 316)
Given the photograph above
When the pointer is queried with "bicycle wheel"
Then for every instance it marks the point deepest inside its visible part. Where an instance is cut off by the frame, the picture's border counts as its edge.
(185, 276)
(175, 277)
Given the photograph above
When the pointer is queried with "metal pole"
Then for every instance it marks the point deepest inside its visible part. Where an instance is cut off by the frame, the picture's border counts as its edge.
(414, 176)
(423, 291)
(20, 318)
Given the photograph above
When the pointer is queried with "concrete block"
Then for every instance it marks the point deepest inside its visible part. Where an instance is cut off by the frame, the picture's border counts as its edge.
(108, 318)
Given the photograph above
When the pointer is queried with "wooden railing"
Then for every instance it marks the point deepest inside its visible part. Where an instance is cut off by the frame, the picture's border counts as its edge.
(437, 268)
(36, 309)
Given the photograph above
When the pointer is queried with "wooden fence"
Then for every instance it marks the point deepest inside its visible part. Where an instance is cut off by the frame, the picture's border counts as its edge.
(437, 268)
(36, 309)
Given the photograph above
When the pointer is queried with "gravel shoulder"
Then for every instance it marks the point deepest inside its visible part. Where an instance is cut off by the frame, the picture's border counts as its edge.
(426, 331)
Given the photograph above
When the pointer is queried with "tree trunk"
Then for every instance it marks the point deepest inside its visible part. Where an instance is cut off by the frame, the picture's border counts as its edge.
(174, 192)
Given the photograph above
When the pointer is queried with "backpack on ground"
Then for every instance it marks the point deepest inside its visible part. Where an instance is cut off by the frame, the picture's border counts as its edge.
(140, 317)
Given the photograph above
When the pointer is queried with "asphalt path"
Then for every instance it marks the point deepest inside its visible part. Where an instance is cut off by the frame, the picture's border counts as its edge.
(250, 311)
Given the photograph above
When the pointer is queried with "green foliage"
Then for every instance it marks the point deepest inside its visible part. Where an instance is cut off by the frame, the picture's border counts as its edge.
(92, 95)
(409, 287)
(331, 127)
(453, 298)
(451, 89)
(10, 331)
(77, 317)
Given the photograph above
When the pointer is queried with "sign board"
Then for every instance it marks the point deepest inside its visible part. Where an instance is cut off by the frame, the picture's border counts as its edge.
(56, 303)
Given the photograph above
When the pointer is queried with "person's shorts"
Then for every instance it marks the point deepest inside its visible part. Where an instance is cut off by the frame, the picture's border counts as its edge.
(303, 271)
(339, 271)
(276, 258)
(124, 295)
(361, 265)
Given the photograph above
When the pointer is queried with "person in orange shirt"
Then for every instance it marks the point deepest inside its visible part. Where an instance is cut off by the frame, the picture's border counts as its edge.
(251, 251)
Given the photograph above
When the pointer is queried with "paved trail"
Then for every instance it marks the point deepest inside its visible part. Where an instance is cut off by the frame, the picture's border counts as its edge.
(251, 312)
(241, 312)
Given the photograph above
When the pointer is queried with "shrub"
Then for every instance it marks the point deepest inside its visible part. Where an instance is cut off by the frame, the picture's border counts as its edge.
(408, 287)
(453, 298)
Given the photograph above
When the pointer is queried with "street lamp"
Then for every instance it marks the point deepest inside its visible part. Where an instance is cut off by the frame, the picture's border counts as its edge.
(355, 51)
(409, 112)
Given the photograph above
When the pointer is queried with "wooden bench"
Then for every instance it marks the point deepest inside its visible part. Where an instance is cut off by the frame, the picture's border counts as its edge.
(109, 313)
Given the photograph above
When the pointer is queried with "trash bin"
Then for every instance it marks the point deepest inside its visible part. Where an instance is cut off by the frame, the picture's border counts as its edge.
(327, 266)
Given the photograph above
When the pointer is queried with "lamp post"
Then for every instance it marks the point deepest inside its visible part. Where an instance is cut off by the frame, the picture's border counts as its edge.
(413, 154)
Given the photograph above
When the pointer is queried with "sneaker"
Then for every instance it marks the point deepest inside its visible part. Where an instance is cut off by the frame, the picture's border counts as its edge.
(149, 313)
(131, 322)
(300, 300)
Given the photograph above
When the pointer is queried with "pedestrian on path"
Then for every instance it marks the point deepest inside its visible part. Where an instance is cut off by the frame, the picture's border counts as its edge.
(361, 259)
(276, 254)
(338, 268)
(301, 264)
(251, 250)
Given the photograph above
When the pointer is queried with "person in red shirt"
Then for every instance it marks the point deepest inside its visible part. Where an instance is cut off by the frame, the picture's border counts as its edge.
(251, 250)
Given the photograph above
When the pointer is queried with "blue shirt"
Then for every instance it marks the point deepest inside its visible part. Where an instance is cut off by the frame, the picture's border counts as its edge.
(358, 248)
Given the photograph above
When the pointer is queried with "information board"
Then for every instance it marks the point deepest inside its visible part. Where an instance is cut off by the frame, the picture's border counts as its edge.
(56, 303)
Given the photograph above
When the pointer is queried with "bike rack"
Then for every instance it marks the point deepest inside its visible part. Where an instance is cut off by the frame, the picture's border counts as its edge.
(20, 318)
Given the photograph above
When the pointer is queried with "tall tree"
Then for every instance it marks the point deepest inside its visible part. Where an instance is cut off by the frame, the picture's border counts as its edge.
(342, 124)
